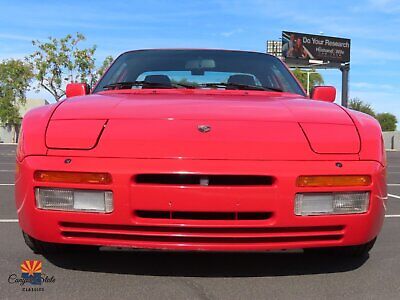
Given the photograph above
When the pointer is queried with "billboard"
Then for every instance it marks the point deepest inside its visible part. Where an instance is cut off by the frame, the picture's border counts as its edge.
(304, 46)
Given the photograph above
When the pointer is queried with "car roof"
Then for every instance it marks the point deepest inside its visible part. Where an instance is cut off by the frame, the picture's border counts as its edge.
(198, 49)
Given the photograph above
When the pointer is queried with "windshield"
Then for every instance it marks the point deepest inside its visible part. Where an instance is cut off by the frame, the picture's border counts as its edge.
(220, 69)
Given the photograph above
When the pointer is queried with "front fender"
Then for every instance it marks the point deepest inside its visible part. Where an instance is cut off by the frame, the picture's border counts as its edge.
(33, 130)
(369, 129)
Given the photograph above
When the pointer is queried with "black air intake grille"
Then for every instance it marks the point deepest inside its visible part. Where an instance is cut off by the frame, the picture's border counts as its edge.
(198, 215)
(204, 179)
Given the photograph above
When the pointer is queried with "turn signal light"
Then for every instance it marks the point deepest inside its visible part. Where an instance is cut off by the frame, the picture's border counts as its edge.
(338, 180)
(72, 177)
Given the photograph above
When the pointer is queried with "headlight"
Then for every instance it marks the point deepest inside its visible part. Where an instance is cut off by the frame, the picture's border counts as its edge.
(307, 204)
(74, 200)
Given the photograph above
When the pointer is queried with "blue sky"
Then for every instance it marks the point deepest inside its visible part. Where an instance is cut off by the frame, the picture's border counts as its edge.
(117, 26)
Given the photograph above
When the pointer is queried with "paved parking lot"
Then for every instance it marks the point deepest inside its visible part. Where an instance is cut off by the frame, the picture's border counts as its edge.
(160, 275)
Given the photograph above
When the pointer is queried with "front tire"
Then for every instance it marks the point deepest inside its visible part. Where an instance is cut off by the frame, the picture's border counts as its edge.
(356, 251)
(346, 251)
(39, 247)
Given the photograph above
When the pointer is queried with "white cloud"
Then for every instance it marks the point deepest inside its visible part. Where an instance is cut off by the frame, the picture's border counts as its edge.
(8, 36)
(232, 32)
(12, 55)
(386, 6)
(369, 55)
(372, 86)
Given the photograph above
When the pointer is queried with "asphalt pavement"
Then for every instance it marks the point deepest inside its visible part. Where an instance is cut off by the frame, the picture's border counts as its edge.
(116, 274)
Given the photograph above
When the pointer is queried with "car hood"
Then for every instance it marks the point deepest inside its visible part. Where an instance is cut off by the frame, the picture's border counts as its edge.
(260, 107)
(166, 125)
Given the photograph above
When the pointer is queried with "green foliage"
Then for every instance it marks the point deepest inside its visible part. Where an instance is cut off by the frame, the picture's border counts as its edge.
(388, 121)
(184, 81)
(359, 105)
(15, 77)
(315, 78)
(59, 61)
(106, 63)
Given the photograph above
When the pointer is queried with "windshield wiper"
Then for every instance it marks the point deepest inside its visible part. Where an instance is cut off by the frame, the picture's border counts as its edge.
(121, 84)
(240, 86)
(130, 84)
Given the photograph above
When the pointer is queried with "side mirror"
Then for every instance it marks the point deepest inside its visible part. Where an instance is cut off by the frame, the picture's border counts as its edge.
(324, 93)
(76, 89)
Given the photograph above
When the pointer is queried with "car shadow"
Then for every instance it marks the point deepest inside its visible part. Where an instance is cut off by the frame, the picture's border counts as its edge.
(205, 264)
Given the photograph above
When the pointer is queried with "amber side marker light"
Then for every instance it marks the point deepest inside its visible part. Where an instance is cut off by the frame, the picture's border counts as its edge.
(335, 180)
(72, 177)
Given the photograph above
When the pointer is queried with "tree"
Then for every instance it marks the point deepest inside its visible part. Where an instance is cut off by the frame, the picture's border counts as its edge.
(388, 121)
(359, 105)
(315, 78)
(59, 61)
(15, 77)
(106, 63)
(184, 81)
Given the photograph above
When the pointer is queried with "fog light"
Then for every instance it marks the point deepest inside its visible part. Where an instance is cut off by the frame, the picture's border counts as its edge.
(307, 204)
(74, 200)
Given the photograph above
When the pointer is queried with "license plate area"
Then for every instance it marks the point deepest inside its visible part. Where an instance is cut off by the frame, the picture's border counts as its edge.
(203, 203)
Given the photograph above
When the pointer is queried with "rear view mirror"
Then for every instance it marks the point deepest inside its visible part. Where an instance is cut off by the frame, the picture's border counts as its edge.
(76, 89)
(200, 64)
(324, 93)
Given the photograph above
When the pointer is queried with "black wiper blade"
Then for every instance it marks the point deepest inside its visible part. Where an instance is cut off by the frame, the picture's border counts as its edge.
(129, 84)
(185, 85)
(240, 86)
(269, 88)
(122, 84)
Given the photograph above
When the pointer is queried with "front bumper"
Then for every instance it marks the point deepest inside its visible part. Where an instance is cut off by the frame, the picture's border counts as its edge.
(124, 228)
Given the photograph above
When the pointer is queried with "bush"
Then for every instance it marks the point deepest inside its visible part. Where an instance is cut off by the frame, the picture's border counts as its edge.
(359, 105)
(388, 121)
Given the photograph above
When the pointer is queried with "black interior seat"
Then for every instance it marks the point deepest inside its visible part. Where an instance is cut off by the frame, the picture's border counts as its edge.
(162, 80)
(242, 79)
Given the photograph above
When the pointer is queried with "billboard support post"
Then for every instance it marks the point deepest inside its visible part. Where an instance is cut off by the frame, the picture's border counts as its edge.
(345, 84)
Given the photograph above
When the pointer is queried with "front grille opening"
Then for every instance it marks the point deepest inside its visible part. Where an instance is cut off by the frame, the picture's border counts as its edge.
(188, 215)
(205, 239)
(319, 230)
(253, 215)
(153, 214)
(204, 179)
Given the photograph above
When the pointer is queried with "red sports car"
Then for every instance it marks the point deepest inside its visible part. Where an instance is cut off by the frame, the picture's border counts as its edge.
(209, 150)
